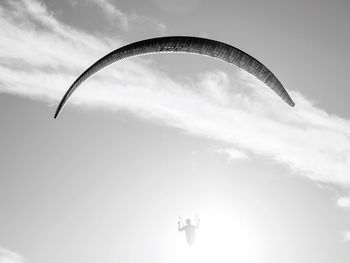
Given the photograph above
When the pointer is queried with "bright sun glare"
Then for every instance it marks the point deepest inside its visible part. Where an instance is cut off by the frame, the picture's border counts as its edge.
(223, 237)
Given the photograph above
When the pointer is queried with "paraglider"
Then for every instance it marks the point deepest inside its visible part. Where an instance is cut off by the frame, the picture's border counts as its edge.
(190, 230)
(184, 44)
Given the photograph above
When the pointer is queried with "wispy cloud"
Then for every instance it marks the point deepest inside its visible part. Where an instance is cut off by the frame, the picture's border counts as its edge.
(125, 20)
(112, 12)
(344, 202)
(7, 256)
(41, 62)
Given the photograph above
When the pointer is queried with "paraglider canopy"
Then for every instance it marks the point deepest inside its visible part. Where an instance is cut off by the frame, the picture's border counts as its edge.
(184, 44)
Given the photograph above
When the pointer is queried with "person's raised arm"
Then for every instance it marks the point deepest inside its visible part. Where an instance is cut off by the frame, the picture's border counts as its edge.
(197, 226)
(179, 226)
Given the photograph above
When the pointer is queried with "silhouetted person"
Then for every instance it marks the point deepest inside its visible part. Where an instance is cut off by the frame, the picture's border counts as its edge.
(190, 231)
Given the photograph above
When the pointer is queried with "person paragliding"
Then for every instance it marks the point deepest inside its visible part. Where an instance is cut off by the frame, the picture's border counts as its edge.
(190, 230)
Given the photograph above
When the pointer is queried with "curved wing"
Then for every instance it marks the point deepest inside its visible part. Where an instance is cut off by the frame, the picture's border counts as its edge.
(184, 44)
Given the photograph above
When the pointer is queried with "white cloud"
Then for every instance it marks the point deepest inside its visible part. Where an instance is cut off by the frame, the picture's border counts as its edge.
(41, 62)
(346, 236)
(344, 202)
(7, 256)
(234, 154)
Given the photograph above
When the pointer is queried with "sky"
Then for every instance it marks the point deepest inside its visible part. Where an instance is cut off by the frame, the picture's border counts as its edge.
(152, 138)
